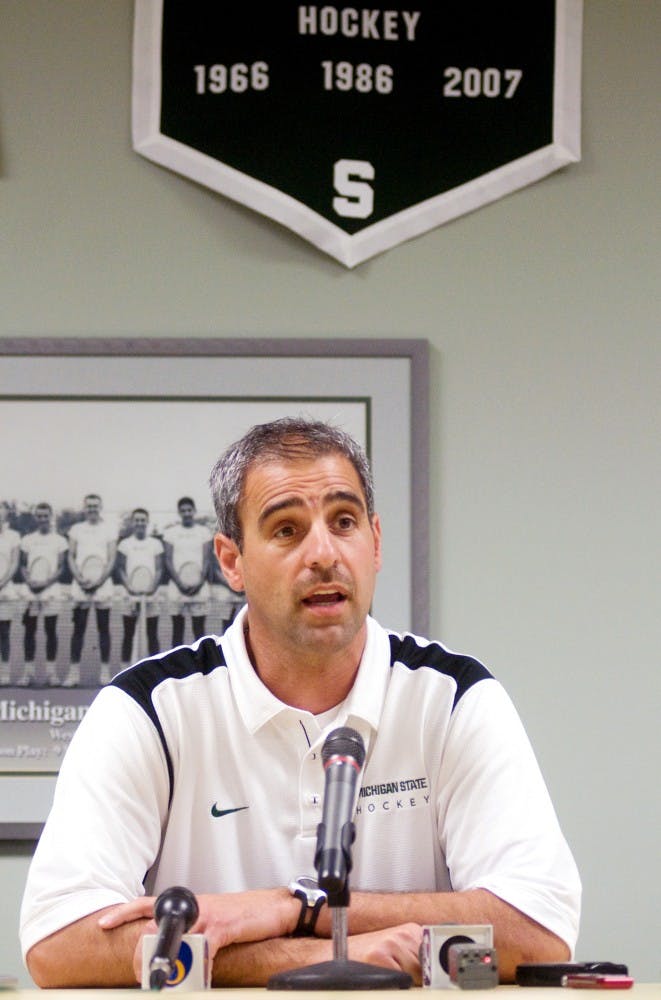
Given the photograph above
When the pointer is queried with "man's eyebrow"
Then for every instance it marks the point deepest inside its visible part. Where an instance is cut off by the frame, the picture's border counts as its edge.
(345, 496)
(278, 505)
(337, 496)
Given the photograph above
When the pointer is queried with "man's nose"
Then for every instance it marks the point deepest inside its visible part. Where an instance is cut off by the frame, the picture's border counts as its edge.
(321, 550)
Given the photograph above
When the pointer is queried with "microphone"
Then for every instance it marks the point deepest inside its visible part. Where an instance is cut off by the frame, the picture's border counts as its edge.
(343, 755)
(175, 911)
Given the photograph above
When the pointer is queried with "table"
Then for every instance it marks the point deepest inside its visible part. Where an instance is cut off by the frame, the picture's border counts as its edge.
(639, 991)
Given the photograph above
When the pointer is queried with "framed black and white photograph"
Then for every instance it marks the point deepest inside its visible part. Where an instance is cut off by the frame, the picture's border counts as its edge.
(107, 449)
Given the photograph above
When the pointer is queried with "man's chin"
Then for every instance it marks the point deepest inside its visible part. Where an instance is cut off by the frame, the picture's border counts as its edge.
(329, 635)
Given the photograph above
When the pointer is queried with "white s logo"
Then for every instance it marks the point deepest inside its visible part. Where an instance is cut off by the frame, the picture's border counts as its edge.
(357, 197)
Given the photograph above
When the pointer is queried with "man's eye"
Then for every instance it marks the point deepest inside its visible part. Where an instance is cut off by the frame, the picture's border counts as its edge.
(285, 531)
(345, 522)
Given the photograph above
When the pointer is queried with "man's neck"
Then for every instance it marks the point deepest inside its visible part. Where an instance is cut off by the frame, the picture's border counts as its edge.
(312, 683)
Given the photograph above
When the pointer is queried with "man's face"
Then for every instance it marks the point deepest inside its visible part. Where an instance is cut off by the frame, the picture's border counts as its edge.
(310, 554)
(140, 522)
(187, 514)
(42, 517)
(93, 509)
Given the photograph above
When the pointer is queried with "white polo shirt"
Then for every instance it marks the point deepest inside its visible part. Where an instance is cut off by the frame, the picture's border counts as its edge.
(140, 552)
(49, 545)
(186, 770)
(187, 543)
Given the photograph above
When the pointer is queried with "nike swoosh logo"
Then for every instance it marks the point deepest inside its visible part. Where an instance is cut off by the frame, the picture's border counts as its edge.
(215, 811)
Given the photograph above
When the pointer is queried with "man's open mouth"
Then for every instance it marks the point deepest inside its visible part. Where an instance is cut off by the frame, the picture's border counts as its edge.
(332, 597)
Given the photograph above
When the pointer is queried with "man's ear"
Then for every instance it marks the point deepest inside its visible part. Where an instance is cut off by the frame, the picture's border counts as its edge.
(229, 560)
(376, 531)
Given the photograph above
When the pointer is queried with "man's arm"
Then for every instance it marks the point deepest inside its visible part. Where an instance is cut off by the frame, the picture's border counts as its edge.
(121, 569)
(207, 559)
(88, 863)
(376, 922)
(159, 558)
(72, 556)
(83, 954)
(254, 963)
(112, 957)
(375, 925)
(111, 555)
(108, 943)
(23, 564)
(109, 952)
(168, 549)
(517, 937)
(14, 557)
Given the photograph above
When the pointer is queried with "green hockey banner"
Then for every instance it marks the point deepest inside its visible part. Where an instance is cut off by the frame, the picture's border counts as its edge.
(359, 127)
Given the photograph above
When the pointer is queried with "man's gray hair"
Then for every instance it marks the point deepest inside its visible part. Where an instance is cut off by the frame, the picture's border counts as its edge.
(288, 439)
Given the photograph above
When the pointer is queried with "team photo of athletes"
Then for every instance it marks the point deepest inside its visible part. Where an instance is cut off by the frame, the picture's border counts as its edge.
(84, 594)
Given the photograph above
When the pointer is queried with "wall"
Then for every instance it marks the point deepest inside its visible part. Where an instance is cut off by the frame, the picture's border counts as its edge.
(542, 318)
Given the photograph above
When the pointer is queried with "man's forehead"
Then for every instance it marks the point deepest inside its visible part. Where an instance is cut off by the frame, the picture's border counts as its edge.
(321, 480)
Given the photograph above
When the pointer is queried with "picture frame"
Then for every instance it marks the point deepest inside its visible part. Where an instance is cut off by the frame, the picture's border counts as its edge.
(139, 422)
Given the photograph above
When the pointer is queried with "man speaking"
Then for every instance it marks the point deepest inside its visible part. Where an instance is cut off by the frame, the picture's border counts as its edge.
(201, 767)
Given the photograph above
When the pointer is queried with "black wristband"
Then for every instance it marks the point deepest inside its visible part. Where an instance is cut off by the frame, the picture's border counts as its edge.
(312, 899)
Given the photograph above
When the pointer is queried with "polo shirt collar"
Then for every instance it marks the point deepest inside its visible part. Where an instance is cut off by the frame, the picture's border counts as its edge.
(258, 706)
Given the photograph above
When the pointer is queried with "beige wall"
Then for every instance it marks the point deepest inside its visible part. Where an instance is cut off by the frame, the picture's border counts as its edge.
(542, 316)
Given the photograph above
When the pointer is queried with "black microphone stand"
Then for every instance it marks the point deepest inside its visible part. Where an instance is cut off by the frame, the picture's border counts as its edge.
(340, 973)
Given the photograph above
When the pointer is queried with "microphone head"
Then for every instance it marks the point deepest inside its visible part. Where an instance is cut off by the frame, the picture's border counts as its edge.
(177, 901)
(343, 742)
